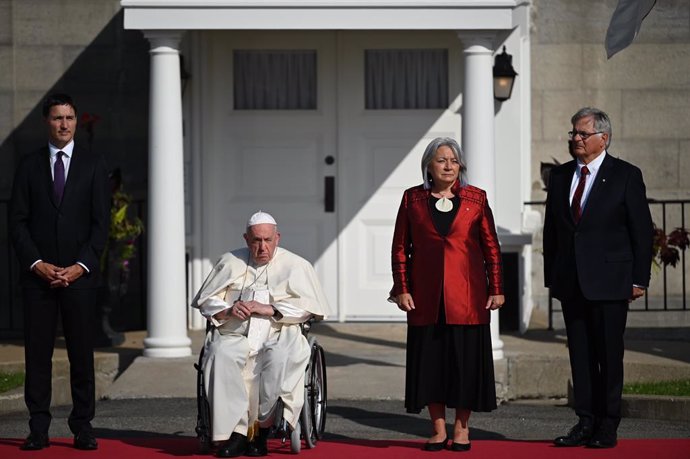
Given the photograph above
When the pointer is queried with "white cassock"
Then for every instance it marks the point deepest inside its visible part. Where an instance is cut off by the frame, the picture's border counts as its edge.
(249, 364)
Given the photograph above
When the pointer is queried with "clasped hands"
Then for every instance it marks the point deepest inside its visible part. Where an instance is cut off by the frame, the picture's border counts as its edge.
(56, 276)
(405, 302)
(244, 309)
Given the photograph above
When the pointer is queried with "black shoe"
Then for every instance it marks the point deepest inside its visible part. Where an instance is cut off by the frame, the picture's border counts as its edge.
(259, 446)
(440, 446)
(35, 441)
(85, 440)
(235, 446)
(459, 447)
(578, 435)
(604, 437)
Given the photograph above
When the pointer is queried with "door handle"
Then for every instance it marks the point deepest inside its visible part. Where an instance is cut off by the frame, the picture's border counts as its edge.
(329, 191)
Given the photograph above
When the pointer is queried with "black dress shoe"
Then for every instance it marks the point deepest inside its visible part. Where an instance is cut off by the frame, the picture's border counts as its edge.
(259, 446)
(604, 437)
(85, 440)
(460, 447)
(235, 446)
(440, 446)
(35, 441)
(579, 435)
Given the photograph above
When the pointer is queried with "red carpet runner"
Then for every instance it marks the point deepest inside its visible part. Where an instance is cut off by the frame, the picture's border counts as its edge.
(154, 448)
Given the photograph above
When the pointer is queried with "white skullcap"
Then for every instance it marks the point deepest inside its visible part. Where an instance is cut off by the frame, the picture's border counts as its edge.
(261, 217)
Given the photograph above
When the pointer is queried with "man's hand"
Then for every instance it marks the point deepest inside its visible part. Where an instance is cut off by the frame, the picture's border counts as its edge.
(66, 276)
(244, 309)
(636, 293)
(404, 302)
(47, 272)
(495, 301)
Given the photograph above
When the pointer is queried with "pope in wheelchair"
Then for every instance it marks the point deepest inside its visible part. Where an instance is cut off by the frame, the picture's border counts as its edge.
(255, 354)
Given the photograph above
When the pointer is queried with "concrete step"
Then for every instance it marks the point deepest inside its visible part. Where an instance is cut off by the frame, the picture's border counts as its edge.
(107, 367)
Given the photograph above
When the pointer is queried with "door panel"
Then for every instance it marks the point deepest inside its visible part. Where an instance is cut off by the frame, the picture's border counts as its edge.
(271, 160)
(381, 151)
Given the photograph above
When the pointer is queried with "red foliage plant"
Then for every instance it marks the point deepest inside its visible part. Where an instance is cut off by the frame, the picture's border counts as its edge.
(667, 247)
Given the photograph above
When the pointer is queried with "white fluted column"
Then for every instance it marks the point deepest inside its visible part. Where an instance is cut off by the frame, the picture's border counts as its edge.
(167, 308)
(478, 130)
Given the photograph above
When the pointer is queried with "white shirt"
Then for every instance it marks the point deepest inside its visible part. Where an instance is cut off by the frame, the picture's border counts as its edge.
(66, 158)
(593, 168)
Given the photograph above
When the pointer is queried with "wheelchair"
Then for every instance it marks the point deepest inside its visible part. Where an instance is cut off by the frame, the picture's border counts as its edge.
(312, 419)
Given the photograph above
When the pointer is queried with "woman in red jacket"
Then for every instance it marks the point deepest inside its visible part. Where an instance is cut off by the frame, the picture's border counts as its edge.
(447, 276)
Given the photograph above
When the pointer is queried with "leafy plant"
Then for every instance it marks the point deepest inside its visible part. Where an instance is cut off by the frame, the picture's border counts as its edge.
(124, 230)
(666, 248)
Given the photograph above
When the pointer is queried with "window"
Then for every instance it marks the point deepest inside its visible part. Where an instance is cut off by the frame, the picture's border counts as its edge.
(406, 78)
(274, 79)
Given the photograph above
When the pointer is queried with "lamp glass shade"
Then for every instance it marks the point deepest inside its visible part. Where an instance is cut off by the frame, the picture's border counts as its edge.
(503, 87)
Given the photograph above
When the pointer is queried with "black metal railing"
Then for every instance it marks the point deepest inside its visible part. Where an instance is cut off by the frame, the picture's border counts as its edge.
(660, 302)
(132, 305)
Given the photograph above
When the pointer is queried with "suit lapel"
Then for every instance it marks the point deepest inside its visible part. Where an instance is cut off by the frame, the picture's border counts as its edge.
(565, 191)
(47, 176)
(75, 165)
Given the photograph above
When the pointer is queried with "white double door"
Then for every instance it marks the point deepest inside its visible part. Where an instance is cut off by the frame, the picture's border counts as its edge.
(281, 161)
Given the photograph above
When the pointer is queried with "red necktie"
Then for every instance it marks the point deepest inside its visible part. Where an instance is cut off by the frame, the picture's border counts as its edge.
(577, 197)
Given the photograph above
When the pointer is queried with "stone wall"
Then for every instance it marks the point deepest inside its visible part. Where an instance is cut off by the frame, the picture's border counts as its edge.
(79, 47)
(645, 89)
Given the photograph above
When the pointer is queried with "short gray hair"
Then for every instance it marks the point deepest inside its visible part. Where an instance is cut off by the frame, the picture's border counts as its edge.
(430, 152)
(602, 122)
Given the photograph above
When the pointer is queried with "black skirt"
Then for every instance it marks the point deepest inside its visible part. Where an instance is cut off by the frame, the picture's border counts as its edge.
(449, 364)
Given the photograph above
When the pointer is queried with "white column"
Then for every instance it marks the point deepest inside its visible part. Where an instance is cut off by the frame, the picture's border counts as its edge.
(478, 130)
(167, 308)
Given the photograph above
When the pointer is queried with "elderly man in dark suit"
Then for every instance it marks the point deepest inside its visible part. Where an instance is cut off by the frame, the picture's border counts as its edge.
(597, 258)
(59, 218)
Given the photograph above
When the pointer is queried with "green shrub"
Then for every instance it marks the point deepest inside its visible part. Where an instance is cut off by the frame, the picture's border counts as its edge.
(9, 381)
(674, 388)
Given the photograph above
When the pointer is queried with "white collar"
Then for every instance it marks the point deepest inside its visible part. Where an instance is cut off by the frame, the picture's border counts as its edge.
(67, 150)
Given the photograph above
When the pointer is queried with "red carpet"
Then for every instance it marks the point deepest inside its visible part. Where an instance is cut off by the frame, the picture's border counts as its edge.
(145, 448)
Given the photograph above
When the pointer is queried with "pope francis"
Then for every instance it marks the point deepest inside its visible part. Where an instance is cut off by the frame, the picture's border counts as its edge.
(256, 298)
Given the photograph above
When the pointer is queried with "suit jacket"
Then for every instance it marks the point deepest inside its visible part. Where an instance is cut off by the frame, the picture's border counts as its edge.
(75, 229)
(464, 266)
(610, 249)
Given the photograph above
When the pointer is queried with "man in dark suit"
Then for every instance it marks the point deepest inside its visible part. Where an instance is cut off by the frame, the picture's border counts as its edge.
(597, 258)
(59, 219)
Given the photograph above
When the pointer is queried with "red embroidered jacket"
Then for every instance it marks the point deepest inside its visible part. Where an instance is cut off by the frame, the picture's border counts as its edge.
(464, 266)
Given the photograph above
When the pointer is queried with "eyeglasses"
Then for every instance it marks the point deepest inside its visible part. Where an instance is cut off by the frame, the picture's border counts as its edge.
(583, 135)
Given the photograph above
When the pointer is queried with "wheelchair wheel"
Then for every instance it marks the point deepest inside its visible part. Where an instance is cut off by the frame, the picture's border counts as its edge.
(203, 410)
(318, 390)
(306, 422)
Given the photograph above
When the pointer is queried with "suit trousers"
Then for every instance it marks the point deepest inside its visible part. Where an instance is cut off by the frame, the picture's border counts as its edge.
(41, 310)
(595, 343)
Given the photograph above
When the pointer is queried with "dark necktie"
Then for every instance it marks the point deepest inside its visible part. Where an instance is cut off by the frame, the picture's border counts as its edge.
(59, 176)
(577, 197)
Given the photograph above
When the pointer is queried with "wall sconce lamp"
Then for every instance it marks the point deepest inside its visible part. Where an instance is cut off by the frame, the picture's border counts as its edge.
(504, 76)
